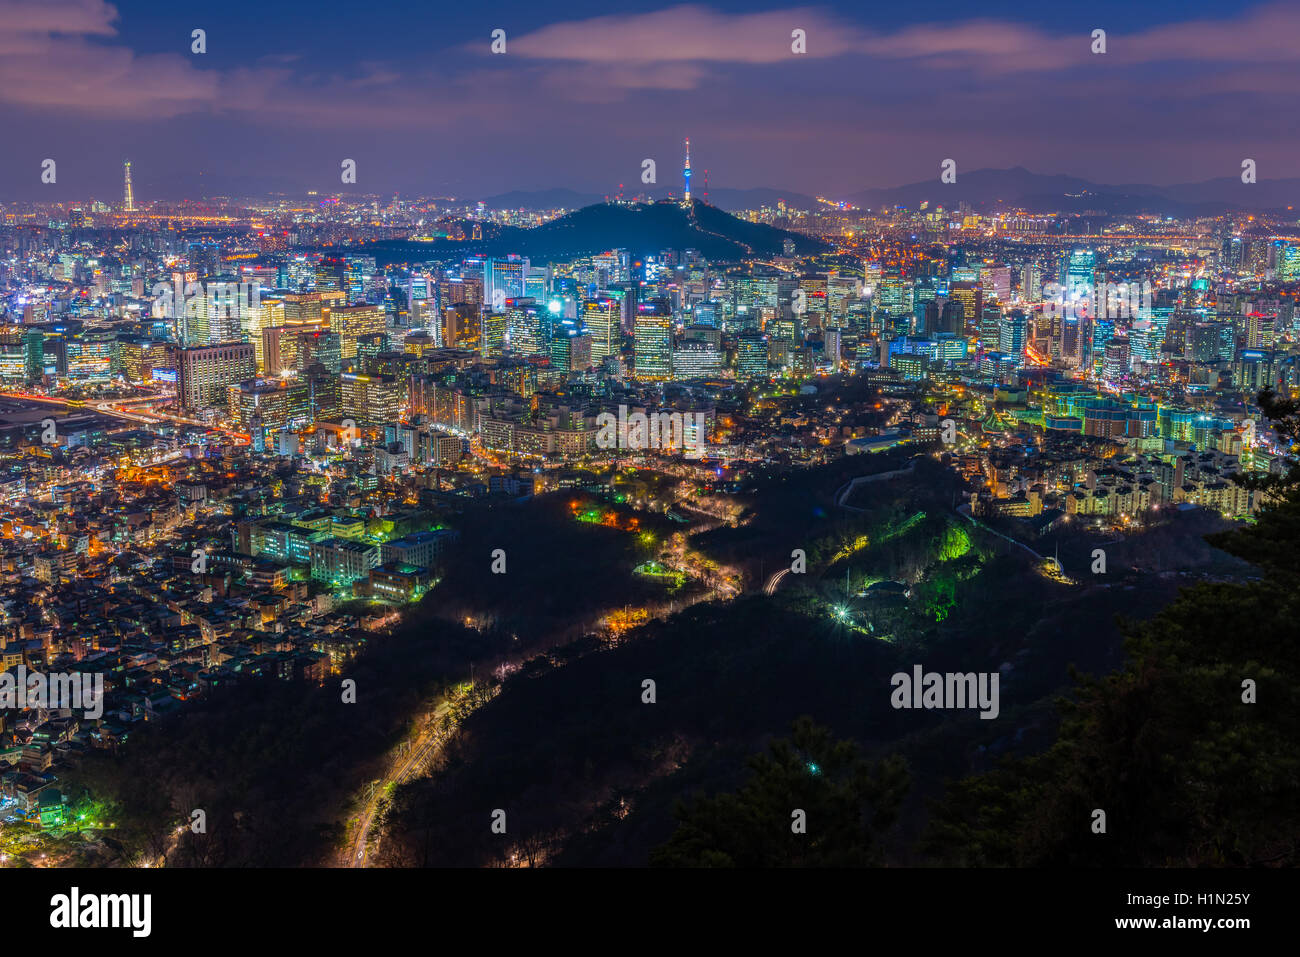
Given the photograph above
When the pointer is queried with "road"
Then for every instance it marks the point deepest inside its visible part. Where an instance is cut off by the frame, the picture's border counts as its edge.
(421, 749)
(775, 581)
(1043, 561)
(115, 408)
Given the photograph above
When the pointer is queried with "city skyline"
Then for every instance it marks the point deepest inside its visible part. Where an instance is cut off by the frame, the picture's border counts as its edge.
(712, 435)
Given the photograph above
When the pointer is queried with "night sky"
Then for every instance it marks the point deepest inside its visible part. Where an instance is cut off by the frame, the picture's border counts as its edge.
(586, 90)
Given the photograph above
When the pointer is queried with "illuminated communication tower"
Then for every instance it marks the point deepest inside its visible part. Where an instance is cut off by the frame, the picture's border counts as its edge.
(686, 171)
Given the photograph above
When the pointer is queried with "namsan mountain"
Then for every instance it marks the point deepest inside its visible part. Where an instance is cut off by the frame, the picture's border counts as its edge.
(641, 228)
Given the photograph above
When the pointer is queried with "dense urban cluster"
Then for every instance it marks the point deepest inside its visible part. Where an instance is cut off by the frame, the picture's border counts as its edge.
(235, 437)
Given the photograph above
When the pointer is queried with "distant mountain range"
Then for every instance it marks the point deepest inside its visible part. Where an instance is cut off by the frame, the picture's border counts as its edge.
(985, 188)
(643, 229)
(989, 188)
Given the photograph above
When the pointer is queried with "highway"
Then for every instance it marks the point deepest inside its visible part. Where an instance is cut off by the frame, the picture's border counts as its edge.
(115, 408)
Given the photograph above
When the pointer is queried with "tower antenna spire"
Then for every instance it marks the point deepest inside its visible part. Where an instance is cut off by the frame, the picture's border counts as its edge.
(686, 170)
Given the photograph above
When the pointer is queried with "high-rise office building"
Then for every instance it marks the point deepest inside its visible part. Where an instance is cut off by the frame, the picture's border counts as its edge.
(203, 373)
(524, 327)
(424, 304)
(319, 346)
(1011, 340)
(1101, 331)
(995, 282)
(325, 394)
(696, 359)
(653, 346)
(494, 339)
(970, 298)
(895, 296)
(1258, 330)
(269, 405)
(570, 350)
(1079, 280)
(832, 348)
(504, 279)
(331, 275)
(34, 355)
(353, 322)
(1031, 283)
(536, 282)
(603, 320)
(751, 357)
(374, 401)
(1288, 262)
(1115, 364)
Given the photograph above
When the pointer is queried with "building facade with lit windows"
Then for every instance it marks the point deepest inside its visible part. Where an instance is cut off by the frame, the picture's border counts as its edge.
(652, 359)
(205, 373)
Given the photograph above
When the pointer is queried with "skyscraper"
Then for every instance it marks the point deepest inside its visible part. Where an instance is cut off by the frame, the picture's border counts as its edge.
(423, 293)
(129, 198)
(1079, 280)
(696, 359)
(503, 279)
(353, 322)
(493, 341)
(653, 346)
(1011, 335)
(524, 329)
(1115, 364)
(602, 318)
(895, 296)
(203, 373)
(570, 351)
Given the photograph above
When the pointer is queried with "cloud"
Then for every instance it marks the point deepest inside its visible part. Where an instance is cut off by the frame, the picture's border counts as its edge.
(65, 56)
(51, 57)
(692, 33)
(1266, 34)
(83, 17)
(992, 46)
(700, 35)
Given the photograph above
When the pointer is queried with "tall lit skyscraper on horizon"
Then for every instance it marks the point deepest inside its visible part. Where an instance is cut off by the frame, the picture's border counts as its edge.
(1078, 277)
(129, 198)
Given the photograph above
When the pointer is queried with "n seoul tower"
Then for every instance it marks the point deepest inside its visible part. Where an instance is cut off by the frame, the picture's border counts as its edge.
(686, 171)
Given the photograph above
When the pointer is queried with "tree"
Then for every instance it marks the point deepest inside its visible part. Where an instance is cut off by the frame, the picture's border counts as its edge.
(846, 804)
(1189, 749)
